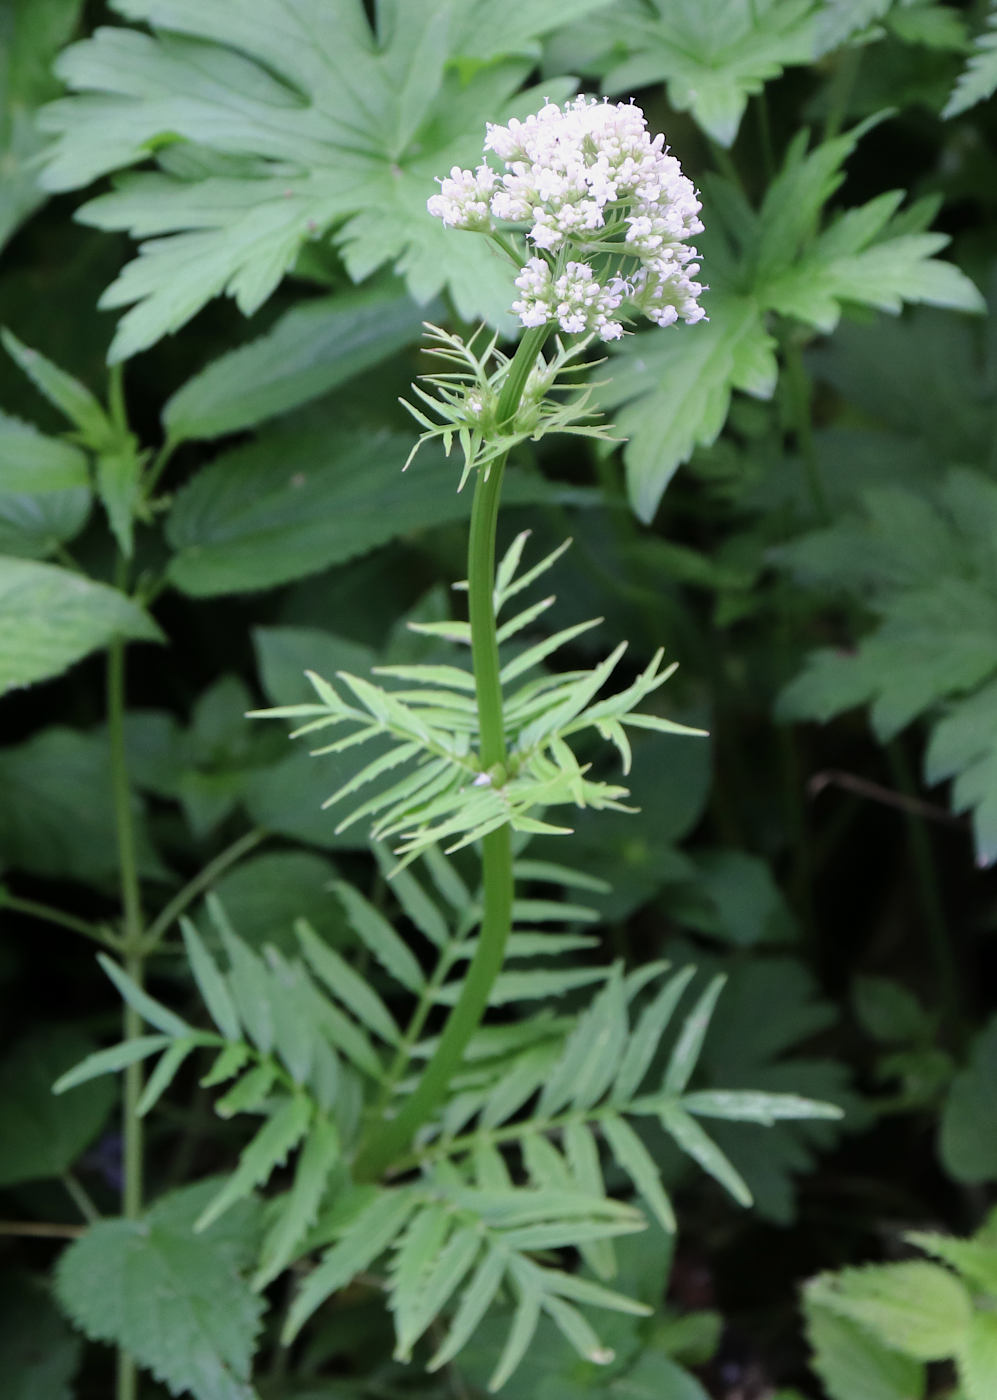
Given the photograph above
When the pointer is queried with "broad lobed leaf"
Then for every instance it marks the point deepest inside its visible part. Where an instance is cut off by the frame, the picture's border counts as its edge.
(274, 133)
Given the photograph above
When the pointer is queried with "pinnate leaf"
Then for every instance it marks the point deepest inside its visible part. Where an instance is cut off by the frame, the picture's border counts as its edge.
(210, 982)
(299, 1207)
(109, 1061)
(268, 1149)
(368, 1234)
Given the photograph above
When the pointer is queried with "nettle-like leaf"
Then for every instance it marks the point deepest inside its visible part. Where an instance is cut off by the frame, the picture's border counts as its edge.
(118, 461)
(967, 1140)
(36, 525)
(428, 785)
(45, 1135)
(916, 1308)
(978, 80)
(774, 261)
(873, 1328)
(272, 130)
(923, 565)
(58, 819)
(39, 1352)
(51, 617)
(300, 499)
(313, 348)
(30, 461)
(853, 1364)
(176, 1300)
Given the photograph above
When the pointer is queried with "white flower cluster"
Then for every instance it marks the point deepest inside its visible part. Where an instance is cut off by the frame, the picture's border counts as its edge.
(575, 300)
(588, 179)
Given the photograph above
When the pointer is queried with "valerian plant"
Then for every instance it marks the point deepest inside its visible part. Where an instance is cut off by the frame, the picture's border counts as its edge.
(456, 1162)
(401, 1107)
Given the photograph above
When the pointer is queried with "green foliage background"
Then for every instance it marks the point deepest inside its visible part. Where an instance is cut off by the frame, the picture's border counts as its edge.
(215, 266)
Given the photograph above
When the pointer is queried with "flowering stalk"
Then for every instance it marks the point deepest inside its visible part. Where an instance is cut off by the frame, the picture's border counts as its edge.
(496, 850)
(590, 182)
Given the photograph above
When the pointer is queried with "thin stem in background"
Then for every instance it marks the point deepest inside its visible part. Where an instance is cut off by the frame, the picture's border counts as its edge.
(840, 89)
(158, 466)
(388, 1140)
(765, 137)
(48, 914)
(132, 955)
(724, 162)
(41, 1229)
(930, 901)
(116, 396)
(799, 404)
(202, 881)
(131, 899)
(81, 1198)
(403, 1054)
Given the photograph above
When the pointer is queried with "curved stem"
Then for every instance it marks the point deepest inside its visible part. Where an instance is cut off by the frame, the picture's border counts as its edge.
(80, 1198)
(50, 915)
(203, 880)
(799, 392)
(132, 954)
(395, 1136)
(397, 1133)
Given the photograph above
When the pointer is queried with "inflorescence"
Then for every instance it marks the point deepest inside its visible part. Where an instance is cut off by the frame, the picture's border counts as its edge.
(609, 212)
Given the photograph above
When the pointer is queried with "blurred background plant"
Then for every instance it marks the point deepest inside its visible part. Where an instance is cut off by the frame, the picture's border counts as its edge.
(198, 499)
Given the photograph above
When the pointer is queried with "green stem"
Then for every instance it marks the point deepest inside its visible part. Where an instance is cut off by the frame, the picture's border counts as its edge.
(403, 1054)
(202, 881)
(765, 137)
(930, 896)
(840, 89)
(133, 956)
(377, 1154)
(445, 1148)
(81, 1199)
(802, 423)
(724, 162)
(50, 915)
(116, 396)
(158, 466)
